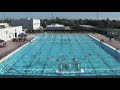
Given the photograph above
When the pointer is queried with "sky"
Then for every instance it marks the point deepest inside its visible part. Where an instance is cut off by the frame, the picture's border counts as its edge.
(68, 15)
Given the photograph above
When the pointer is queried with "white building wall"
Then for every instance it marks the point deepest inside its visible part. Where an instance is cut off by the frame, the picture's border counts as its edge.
(9, 32)
(36, 24)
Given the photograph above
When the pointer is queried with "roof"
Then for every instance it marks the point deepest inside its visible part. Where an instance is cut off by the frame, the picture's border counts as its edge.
(87, 26)
(55, 25)
(4, 24)
(9, 27)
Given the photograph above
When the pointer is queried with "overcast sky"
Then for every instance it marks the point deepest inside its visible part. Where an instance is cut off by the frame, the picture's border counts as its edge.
(68, 15)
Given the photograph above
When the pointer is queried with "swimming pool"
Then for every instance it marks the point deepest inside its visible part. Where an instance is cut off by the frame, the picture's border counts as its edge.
(63, 55)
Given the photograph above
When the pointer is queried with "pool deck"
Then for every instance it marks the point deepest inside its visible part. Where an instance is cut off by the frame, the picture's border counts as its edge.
(12, 46)
(114, 43)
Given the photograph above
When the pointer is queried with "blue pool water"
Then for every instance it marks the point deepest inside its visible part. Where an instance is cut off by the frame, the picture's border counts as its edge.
(63, 55)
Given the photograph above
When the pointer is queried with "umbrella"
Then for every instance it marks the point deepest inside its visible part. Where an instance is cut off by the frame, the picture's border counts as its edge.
(22, 35)
(1, 41)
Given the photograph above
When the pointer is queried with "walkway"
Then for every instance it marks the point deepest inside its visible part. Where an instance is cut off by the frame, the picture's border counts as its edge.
(114, 43)
(12, 46)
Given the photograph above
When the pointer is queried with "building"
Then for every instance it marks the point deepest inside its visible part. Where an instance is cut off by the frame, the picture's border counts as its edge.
(67, 28)
(4, 25)
(55, 27)
(86, 26)
(30, 24)
(83, 27)
(8, 32)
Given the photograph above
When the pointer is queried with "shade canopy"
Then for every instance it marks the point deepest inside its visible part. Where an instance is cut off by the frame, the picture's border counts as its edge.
(22, 35)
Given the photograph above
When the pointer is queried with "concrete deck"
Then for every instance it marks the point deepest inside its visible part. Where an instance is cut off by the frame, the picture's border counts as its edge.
(12, 46)
(114, 43)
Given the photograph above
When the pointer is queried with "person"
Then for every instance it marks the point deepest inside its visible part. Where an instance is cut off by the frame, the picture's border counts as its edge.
(48, 58)
(102, 40)
(71, 52)
(73, 59)
(57, 60)
(110, 39)
(29, 40)
(24, 39)
(4, 44)
(63, 59)
(66, 66)
(117, 49)
(89, 54)
(86, 56)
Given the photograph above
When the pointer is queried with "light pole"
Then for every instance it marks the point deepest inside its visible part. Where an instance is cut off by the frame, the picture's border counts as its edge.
(53, 19)
(52, 15)
(46, 24)
(4, 16)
